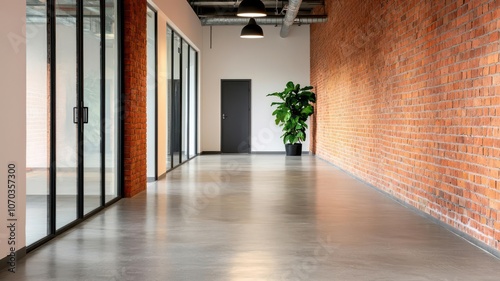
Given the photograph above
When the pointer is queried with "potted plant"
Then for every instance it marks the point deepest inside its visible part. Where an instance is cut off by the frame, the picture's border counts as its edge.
(291, 114)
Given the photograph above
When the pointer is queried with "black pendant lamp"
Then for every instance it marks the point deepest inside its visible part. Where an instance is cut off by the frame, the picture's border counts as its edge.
(252, 30)
(251, 9)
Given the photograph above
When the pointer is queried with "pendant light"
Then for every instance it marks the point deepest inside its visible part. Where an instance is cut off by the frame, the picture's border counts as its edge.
(252, 30)
(251, 9)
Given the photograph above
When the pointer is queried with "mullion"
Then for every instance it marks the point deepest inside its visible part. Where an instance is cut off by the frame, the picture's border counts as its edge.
(196, 101)
(80, 92)
(51, 52)
(172, 75)
(156, 92)
(188, 97)
(121, 120)
(103, 102)
(181, 42)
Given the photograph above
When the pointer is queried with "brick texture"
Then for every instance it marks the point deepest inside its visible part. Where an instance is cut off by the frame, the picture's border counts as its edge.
(135, 73)
(409, 101)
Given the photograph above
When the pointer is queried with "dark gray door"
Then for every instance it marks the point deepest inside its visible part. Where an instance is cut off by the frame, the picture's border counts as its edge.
(235, 117)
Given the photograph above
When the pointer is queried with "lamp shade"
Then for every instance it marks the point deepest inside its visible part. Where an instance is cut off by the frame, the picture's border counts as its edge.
(251, 9)
(252, 30)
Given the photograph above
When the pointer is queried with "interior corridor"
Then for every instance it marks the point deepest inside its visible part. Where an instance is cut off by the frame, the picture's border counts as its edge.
(257, 217)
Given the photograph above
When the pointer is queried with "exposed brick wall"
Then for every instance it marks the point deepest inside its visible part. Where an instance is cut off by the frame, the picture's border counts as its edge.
(135, 72)
(409, 101)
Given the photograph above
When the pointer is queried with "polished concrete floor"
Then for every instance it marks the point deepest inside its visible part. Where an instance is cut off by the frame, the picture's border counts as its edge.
(66, 200)
(258, 217)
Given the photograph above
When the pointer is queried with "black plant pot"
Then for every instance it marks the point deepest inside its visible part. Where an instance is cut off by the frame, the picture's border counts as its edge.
(293, 149)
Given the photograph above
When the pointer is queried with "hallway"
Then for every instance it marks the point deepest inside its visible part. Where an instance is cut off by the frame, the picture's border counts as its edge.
(257, 217)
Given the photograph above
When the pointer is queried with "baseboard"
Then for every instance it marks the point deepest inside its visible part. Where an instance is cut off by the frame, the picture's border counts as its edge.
(478, 243)
(151, 179)
(210, 152)
(253, 152)
(276, 152)
(9, 263)
(474, 241)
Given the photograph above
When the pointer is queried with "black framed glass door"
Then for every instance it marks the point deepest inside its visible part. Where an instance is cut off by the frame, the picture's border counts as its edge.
(182, 100)
(78, 123)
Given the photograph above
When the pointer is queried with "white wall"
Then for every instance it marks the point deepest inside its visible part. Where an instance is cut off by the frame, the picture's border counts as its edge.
(181, 17)
(269, 62)
(162, 93)
(13, 117)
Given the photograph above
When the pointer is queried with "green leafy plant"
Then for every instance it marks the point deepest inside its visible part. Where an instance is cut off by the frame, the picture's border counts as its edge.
(292, 112)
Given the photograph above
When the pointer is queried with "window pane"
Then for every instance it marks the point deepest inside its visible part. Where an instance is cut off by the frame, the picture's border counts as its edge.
(169, 96)
(112, 115)
(92, 101)
(151, 94)
(193, 101)
(37, 123)
(175, 109)
(66, 100)
(185, 101)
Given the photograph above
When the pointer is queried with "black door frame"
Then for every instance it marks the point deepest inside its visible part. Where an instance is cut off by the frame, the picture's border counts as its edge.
(249, 111)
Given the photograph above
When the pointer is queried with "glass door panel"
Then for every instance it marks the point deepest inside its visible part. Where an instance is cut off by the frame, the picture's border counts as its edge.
(66, 100)
(193, 102)
(111, 102)
(151, 94)
(37, 124)
(169, 96)
(92, 140)
(185, 101)
(175, 109)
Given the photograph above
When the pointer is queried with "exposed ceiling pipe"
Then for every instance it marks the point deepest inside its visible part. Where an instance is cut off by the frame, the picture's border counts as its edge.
(291, 14)
(268, 3)
(269, 20)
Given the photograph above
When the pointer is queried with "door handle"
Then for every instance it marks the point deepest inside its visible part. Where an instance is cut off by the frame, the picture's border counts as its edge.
(75, 115)
(85, 115)
(224, 116)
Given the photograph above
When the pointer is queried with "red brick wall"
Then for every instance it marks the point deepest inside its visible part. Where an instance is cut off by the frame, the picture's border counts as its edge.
(135, 72)
(409, 101)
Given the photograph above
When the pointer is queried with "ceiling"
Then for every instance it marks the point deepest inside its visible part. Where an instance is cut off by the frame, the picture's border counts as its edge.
(211, 12)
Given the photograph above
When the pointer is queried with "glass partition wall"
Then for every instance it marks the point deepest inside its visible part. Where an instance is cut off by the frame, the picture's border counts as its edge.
(182, 100)
(72, 112)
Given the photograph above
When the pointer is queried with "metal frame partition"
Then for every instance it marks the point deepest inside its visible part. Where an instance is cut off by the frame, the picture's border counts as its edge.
(81, 113)
(177, 113)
